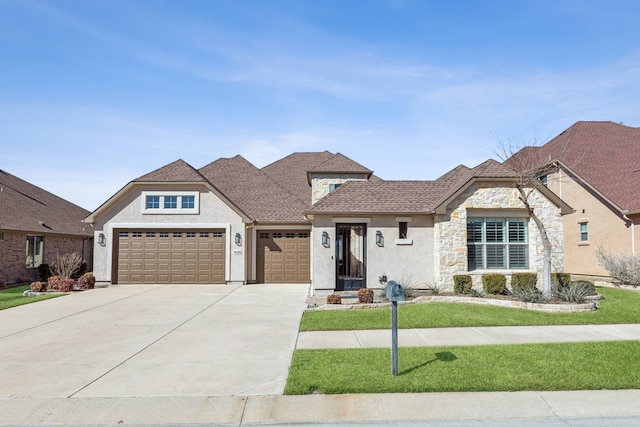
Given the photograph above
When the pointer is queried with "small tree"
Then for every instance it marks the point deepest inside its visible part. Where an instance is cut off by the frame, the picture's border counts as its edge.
(66, 265)
(527, 167)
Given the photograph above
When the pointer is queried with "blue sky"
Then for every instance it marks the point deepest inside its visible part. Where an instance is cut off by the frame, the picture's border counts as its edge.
(94, 93)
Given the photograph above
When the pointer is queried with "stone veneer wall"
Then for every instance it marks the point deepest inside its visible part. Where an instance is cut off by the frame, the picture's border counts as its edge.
(450, 232)
(320, 183)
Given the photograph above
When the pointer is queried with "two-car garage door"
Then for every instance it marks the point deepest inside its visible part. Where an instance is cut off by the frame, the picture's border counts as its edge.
(170, 256)
(198, 256)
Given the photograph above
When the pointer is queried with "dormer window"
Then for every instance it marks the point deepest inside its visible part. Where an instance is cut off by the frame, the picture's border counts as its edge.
(333, 187)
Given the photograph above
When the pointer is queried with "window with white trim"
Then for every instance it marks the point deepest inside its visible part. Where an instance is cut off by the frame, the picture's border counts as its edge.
(497, 243)
(584, 232)
(171, 202)
(35, 251)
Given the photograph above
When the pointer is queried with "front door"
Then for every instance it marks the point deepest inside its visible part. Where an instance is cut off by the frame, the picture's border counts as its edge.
(351, 256)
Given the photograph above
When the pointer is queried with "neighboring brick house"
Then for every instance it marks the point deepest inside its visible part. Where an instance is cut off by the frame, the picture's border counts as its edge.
(595, 168)
(318, 218)
(35, 225)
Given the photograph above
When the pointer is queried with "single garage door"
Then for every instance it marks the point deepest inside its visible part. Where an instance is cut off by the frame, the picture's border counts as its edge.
(283, 256)
(171, 257)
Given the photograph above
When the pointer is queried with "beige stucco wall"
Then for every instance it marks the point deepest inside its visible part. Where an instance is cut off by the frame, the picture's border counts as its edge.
(410, 260)
(492, 200)
(606, 227)
(127, 212)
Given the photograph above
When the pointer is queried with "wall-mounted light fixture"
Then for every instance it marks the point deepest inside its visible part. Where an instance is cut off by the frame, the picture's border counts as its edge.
(325, 239)
(101, 239)
(238, 239)
(379, 238)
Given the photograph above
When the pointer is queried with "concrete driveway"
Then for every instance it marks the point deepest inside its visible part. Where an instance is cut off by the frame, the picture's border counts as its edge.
(151, 341)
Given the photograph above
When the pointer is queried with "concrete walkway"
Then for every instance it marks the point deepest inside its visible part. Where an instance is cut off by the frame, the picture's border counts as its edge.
(148, 341)
(468, 336)
(219, 355)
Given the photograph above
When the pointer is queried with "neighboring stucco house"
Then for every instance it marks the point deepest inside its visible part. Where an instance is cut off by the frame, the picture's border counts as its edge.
(35, 225)
(595, 168)
(318, 218)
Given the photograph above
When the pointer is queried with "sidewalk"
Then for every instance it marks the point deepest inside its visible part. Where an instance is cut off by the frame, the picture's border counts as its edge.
(543, 408)
(468, 336)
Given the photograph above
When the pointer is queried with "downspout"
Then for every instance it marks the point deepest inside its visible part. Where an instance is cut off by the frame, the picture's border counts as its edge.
(633, 234)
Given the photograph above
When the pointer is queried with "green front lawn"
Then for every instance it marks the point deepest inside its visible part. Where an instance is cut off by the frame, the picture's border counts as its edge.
(575, 366)
(13, 297)
(619, 306)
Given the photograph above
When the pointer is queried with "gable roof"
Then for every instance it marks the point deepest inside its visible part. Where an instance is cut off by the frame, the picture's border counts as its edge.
(415, 197)
(178, 171)
(604, 155)
(290, 172)
(26, 207)
(255, 192)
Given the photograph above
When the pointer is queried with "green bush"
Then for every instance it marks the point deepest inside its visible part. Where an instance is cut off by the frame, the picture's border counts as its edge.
(589, 287)
(494, 283)
(575, 292)
(530, 295)
(523, 281)
(462, 283)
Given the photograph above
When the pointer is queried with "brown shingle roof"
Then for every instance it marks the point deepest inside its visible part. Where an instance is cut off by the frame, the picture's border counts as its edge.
(253, 191)
(393, 197)
(25, 207)
(291, 172)
(339, 163)
(605, 154)
(178, 171)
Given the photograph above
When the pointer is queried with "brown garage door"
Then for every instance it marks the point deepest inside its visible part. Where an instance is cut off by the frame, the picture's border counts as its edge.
(283, 256)
(168, 257)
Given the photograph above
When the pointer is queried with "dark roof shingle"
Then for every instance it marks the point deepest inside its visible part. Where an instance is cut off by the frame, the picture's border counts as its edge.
(178, 171)
(605, 154)
(26, 207)
(253, 191)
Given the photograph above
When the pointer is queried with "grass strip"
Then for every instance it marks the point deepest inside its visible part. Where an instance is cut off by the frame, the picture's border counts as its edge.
(13, 297)
(619, 306)
(541, 367)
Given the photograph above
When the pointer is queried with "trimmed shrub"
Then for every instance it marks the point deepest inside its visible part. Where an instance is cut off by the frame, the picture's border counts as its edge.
(86, 281)
(521, 281)
(65, 285)
(530, 295)
(462, 283)
(588, 286)
(365, 296)
(38, 286)
(334, 299)
(576, 292)
(52, 283)
(494, 283)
